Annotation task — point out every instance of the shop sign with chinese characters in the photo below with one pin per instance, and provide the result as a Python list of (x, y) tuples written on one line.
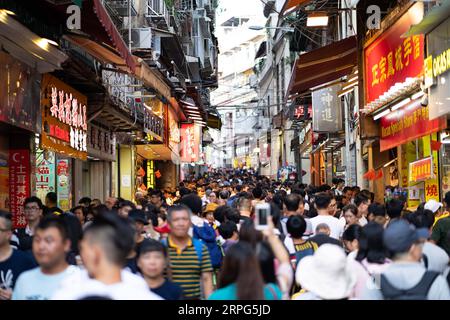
[(391, 59), (406, 124), (45, 173), (64, 119), (101, 143), (64, 184), (153, 124), (326, 113), (174, 130), (432, 185), (421, 170), (190, 143), (19, 184), (303, 112)]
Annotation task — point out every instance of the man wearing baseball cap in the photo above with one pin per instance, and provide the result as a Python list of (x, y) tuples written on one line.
[(444, 209), (406, 278), (434, 206)]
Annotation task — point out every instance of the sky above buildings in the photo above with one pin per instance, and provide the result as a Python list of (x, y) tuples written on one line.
[(229, 8)]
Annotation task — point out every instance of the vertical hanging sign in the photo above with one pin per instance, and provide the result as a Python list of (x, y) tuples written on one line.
[(45, 173), (190, 143), (63, 187), (19, 184)]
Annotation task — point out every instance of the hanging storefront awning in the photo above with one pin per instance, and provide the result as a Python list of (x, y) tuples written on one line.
[(96, 24), (434, 18), (262, 50), (156, 152), (177, 109), (101, 52), (323, 65), (151, 78), (114, 35), (143, 72), (27, 46), (290, 5)]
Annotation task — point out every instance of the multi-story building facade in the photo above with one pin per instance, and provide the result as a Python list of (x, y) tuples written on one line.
[(290, 81), (118, 92), (236, 98)]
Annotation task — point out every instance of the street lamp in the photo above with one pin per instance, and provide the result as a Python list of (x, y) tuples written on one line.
[(275, 28)]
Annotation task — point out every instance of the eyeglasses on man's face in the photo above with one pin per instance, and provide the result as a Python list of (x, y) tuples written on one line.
[(31, 208)]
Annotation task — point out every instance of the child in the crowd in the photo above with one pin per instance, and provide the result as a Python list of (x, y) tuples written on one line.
[(152, 261), (228, 230)]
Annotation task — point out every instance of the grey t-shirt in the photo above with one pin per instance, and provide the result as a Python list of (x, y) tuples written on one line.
[(437, 257), (403, 275)]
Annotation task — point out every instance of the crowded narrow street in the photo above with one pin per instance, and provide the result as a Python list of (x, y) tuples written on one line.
[(224, 150)]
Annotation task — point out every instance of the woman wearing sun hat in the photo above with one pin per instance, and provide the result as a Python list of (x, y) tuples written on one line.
[(326, 275)]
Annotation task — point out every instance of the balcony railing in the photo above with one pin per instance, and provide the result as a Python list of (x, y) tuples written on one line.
[(122, 7), (159, 13)]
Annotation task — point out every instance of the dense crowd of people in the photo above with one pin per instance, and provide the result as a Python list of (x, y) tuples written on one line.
[(202, 241)]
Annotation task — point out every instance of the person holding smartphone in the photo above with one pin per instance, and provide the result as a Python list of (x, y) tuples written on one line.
[(273, 256)]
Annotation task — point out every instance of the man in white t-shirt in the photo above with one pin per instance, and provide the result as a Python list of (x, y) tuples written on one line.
[(322, 204), (104, 248), (50, 246), (293, 205)]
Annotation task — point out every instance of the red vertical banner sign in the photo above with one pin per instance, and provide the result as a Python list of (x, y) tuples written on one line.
[(190, 143), (392, 58), (19, 184)]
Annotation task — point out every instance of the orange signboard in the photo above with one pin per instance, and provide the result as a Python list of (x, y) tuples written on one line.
[(421, 170), (64, 123)]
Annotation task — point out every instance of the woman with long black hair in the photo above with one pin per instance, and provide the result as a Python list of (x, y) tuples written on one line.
[(240, 277), (372, 253)]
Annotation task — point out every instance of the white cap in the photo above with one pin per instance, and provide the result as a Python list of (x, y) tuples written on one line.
[(433, 205)]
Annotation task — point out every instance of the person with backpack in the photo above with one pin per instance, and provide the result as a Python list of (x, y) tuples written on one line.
[(406, 278), (190, 262), (434, 257), (297, 247), (202, 230)]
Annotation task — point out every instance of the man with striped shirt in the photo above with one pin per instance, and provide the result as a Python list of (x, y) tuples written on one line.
[(190, 263)]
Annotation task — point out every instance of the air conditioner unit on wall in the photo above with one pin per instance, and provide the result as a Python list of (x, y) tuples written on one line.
[(141, 38)]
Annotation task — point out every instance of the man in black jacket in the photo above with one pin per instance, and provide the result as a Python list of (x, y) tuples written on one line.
[(23, 237), (51, 204)]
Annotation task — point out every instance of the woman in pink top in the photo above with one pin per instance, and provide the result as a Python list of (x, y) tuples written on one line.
[(372, 253)]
